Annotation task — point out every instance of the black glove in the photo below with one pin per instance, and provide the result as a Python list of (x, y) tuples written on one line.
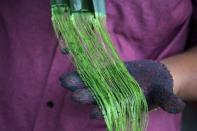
[(153, 77)]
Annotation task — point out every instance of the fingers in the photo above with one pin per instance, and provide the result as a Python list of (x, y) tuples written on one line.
[(168, 101), (83, 96), (64, 51), (96, 113), (174, 105), (62, 45), (71, 81)]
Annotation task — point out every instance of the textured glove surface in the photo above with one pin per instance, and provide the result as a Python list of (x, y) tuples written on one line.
[(153, 77)]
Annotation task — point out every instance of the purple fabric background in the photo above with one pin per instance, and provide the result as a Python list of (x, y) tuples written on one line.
[(31, 62)]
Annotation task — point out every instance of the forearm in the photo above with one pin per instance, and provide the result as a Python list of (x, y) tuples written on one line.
[(183, 68)]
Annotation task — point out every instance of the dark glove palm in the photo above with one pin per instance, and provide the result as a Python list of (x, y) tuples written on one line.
[(153, 78)]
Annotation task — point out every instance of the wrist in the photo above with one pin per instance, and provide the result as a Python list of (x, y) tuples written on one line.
[(176, 82)]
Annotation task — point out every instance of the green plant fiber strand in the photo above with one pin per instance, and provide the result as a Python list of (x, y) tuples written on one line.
[(116, 92)]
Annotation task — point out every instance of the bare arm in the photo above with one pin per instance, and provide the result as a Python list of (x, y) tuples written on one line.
[(183, 68)]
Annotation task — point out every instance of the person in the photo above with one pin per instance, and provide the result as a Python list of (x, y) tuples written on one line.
[(31, 62)]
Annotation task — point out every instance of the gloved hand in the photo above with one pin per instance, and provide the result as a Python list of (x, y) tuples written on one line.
[(153, 77)]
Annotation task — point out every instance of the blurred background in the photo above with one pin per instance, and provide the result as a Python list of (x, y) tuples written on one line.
[(189, 119)]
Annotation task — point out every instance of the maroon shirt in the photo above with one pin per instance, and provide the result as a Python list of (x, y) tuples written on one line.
[(31, 98)]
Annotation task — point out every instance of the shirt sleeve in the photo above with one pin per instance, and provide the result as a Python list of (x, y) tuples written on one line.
[(192, 38)]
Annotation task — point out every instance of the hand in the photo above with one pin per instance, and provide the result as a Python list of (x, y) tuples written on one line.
[(153, 77)]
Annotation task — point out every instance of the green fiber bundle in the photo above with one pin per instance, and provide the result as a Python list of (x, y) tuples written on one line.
[(81, 23)]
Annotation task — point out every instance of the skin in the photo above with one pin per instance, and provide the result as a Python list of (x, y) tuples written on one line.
[(183, 68)]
